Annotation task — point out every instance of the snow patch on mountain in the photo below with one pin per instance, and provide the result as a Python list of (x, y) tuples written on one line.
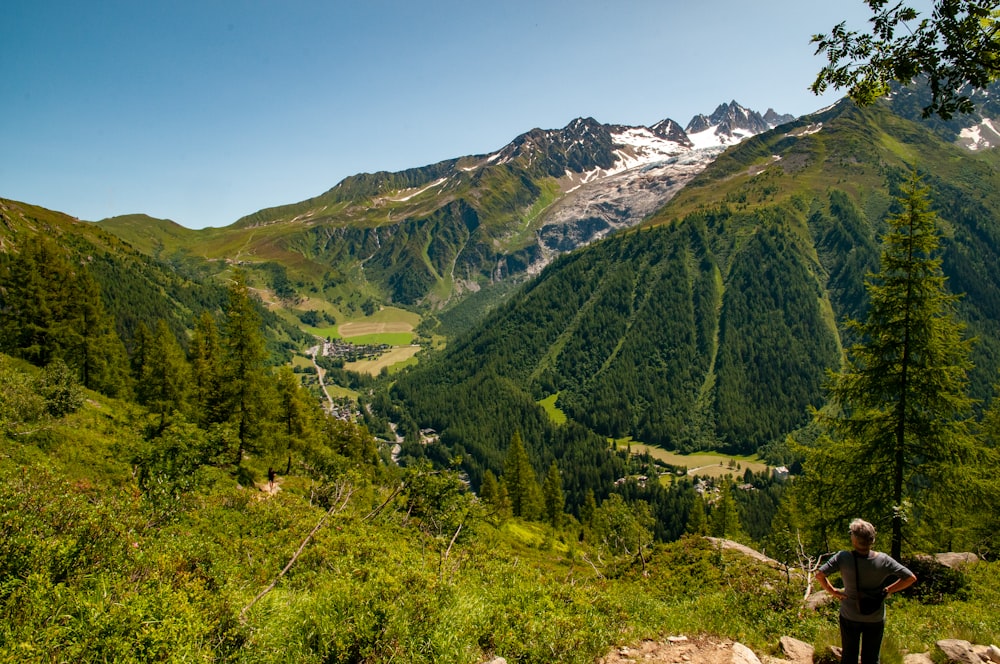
[(408, 196), (982, 136), (713, 138)]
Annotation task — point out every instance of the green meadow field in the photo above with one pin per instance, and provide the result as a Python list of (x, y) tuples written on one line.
[(706, 464)]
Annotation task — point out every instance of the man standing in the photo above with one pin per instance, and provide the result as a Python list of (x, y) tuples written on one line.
[(869, 577)]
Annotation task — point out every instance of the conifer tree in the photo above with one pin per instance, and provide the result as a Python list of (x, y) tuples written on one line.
[(244, 371), (522, 483), (92, 344), (724, 520), (588, 508), (293, 403), (205, 355), (553, 495), (165, 376), (503, 501), (899, 411), (493, 493), (31, 300), (51, 308), (697, 523), (489, 488)]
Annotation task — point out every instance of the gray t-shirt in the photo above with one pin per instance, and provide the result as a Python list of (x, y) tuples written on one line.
[(874, 570)]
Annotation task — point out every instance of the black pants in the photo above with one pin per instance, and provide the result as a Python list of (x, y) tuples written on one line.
[(863, 637)]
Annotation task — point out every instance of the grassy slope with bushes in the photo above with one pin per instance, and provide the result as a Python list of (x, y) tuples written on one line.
[(95, 567)]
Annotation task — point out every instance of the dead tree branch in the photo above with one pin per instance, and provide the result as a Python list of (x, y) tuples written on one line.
[(344, 492)]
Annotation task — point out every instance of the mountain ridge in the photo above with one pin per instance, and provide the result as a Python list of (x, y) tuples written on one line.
[(461, 224)]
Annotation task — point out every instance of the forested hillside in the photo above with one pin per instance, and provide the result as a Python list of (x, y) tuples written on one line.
[(713, 327), (132, 288)]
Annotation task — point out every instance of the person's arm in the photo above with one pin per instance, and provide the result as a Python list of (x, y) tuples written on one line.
[(900, 584), (828, 587)]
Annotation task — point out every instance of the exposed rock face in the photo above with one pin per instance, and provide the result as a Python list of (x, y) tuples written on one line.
[(617, 201)]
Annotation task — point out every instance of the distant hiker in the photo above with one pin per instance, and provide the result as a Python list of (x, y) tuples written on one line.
[(270, 479), (868, 577)]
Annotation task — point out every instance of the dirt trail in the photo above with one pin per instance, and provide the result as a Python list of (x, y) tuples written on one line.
[(679, 650)]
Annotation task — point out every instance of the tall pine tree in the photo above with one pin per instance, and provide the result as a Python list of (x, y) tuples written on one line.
[(552, 494), (164, 377), (899, 411), (521, 480), (205, 355), (244, 369)]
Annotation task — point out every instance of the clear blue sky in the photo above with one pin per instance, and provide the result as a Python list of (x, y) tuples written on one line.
[(204, 111)]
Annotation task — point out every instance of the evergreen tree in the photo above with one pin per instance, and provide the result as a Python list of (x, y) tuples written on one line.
[(92, 345), (142, 346), (244, 371), (899, 414), (489, 489), (552, 494), (724, 520), (787, 529), (504, 510), (522, 483), (205, 355), (294, 404), (164, 376), (493, 493), (32, 300), (697, 521), (983, 533), (588, 508), (52, 309)]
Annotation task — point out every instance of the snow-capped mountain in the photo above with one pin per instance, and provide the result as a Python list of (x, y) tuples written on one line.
[(428, 234), (731, 123), (636, 171)]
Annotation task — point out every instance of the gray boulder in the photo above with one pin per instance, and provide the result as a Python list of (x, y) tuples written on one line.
[(796, 651), (958, 651)]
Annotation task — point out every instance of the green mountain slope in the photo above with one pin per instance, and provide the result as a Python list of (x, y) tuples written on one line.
[(714, 325), (422, 235), (135, 287)]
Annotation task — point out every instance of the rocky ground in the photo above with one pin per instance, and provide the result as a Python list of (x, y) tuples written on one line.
[(683, 650)]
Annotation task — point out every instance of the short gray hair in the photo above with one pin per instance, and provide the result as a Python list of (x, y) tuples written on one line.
[(863, 530)]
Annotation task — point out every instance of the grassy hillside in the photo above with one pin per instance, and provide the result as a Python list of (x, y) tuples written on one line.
[(349, 560)]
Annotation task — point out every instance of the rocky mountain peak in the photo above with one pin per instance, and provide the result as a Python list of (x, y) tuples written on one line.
[(669, 130), (729, 123), (774, 118)]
